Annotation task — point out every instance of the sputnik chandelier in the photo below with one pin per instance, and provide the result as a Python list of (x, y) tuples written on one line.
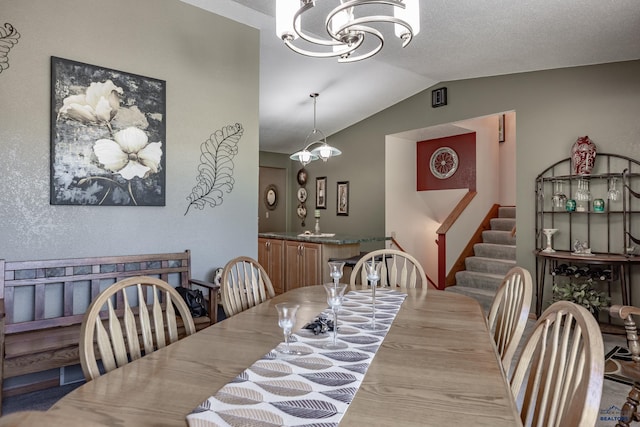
[(346, 30), (323, 150)]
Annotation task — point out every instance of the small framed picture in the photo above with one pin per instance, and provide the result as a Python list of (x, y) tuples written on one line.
[(343, 198), (439, 97), (321, 192), (501, 128)]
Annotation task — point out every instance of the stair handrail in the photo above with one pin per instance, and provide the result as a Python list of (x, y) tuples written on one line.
[(442, 236), (400, 248)]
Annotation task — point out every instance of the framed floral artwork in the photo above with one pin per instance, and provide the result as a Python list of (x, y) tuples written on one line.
[(108, 136)]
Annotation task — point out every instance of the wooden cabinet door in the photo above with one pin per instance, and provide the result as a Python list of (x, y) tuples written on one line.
[(303, 264), (271, 257), (311, 264), (293, 263)]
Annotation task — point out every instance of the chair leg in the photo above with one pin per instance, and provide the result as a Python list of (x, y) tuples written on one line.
[(629, 411)]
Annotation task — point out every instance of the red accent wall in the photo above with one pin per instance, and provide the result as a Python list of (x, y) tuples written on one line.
[(464, 177)]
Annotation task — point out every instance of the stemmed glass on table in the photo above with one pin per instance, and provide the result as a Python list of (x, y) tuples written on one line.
[(373, 276), (335, 271), (335, 297), (287, 320)]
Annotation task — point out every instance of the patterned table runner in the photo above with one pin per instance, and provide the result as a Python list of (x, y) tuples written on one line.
[(315, 388)]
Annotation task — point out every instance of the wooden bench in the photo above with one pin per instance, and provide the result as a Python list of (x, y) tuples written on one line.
[(42, 305)]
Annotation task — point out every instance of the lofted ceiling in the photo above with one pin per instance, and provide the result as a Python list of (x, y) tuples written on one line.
[(459, 39)]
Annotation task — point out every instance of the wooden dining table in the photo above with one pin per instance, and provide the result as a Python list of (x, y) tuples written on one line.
[(437, 366)]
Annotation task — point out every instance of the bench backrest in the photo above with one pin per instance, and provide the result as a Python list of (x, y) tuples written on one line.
[(50, 293)]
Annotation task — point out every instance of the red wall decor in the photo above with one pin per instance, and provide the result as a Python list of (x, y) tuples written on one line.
[(464, 176)]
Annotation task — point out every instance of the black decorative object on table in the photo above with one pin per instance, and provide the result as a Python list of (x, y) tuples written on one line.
[(320, 325)]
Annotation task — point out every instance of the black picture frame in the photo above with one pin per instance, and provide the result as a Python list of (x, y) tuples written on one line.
[(321, 192), (89, 164), (439, 97), (501, 136), (342, 201)]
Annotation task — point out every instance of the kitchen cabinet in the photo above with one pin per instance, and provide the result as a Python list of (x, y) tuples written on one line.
[(294, 260), (272, 258), (303, 261)]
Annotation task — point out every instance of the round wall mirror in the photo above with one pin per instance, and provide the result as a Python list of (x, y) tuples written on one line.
[(271, 197)]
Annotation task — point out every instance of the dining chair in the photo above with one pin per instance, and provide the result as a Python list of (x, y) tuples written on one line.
[(629, 411), (509, 313), (145, 307), (399, 269), (244, 284), (559, 376)]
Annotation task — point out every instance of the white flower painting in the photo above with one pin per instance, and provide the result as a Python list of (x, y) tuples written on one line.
[(107, 136)]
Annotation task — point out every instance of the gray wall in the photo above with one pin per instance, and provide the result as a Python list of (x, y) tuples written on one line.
[(210, 65), (553, 108)]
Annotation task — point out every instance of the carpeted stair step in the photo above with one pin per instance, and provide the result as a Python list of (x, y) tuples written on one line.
[(493, 250), (502, 224), (483, 296), (498, 237), (507, 212), (489, 265), (474, 279)]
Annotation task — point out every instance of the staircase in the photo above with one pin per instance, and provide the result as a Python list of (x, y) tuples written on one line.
[(492, 259)]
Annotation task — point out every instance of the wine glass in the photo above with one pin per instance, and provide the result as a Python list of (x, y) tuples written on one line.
[(373, 276), (613, 194), (335, 296), (559, 198), (335, 271), (286, 320)]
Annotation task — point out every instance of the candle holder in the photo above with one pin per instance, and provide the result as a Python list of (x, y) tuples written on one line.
[(373, 276), (317, 216), (549, 232)]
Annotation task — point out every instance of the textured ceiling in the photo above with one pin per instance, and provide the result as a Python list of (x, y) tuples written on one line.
[(459, 39)]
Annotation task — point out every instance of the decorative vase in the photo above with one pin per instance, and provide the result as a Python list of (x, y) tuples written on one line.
[(583, 155)]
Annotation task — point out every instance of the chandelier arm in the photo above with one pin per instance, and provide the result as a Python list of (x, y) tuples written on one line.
[(356, 24), (368, 54), (306, 37)]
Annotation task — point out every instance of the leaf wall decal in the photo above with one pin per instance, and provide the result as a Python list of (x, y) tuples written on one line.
[(216, 168), (8, 38)]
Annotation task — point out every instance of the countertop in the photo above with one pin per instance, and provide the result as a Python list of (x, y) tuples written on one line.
[(337, 239)]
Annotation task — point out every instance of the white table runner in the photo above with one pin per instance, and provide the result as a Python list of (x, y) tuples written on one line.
[(313, 389)]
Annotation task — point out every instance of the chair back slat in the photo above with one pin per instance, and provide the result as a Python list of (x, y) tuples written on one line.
[(131, 329), (117, 339), (158, 321), (145, 322), (104, 344)]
